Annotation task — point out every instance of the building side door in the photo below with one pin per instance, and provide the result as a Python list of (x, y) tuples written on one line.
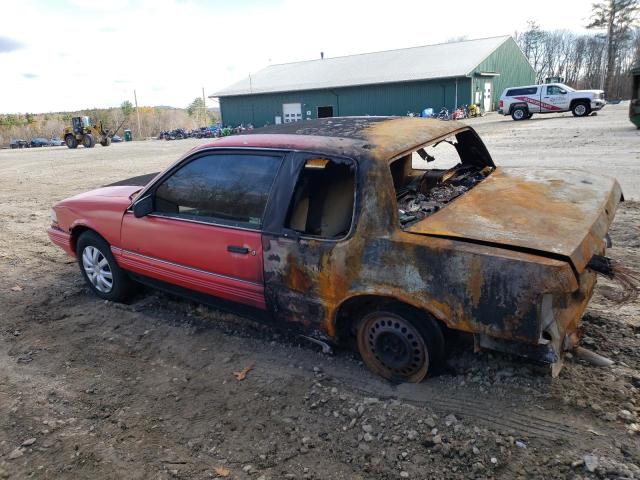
[(487, 96)]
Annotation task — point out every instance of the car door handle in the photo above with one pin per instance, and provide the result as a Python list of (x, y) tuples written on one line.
[(237, 249)]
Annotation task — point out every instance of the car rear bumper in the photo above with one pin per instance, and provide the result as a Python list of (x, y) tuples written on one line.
[(559, 317), (61, 239)]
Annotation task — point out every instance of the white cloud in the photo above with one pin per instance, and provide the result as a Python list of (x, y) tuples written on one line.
[(94, 53)]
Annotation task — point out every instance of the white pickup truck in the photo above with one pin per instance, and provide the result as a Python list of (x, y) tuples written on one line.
[(522, 102)]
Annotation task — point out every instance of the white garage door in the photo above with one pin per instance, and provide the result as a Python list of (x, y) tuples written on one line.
[(291, 112)]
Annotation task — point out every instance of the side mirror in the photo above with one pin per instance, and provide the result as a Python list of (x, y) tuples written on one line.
[(143, 206)]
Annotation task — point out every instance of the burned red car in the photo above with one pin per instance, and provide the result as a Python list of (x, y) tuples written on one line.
[(376, 232)]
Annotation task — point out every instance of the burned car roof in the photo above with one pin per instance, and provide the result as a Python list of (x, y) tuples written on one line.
[(379, 137)]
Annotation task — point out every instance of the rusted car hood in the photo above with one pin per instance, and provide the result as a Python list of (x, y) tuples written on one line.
[(559, 213)]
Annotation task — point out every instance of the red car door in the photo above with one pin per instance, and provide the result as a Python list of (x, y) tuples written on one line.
[(204, 233)]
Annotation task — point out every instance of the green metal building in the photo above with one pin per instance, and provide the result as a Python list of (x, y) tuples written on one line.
[(391, 82)]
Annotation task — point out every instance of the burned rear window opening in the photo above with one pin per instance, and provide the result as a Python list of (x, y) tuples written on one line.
[(432, 176)]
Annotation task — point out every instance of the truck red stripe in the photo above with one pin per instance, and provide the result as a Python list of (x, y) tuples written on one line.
[(537, 102)]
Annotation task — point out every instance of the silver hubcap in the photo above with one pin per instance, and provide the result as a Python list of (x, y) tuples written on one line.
[(581, 110), (519, 114), (97, 269)]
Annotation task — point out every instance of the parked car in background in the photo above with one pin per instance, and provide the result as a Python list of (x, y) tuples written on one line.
[(18, 143), (522, 102), (116, 138), (39, 142), (56, 142), (369, 231)]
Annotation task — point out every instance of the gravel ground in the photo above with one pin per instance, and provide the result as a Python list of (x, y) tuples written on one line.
[(90, 389)]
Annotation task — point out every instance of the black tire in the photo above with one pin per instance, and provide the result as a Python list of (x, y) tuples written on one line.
[(88, 141), (581, 109), (106, 142), (520, 113), (71, 141), (400, 344), (121, 287)]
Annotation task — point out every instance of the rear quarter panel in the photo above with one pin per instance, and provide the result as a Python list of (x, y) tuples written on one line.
[(469, 287)]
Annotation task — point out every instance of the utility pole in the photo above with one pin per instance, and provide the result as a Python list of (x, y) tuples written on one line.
[(204, 108), (135, 97)]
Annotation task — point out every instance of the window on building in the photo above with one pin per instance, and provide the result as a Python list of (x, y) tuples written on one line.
[(325, 112), (219, 188)]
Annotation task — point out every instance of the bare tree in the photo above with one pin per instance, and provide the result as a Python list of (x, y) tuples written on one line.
[(582, 59), (531, 43), (617, 17)]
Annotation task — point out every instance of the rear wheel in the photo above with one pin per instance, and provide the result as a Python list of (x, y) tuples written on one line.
[(100, 270), (520, 113), (581, 109), (71, 141), (88, 141), (400, 345)]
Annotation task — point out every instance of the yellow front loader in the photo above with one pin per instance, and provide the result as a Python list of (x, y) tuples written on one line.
[(84, 131)]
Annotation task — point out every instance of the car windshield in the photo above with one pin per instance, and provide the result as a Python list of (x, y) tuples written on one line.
[(568, 89)]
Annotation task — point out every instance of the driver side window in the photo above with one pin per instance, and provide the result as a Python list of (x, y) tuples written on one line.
[(555, 90), (219, 188)]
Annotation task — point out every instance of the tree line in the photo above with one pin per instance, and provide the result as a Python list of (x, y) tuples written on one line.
[(153, 120), (599, 60)]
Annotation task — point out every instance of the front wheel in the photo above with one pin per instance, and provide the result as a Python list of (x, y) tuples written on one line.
[(71, 141), (106, 142), (100, 270), (581, 109), (399, 345)]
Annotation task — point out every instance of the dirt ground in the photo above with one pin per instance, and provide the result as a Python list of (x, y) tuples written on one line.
[(91, 389)]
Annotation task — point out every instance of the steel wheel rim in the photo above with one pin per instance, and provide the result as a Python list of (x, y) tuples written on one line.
[(581, 110), (519, 114), (97, 269), (397, 347)]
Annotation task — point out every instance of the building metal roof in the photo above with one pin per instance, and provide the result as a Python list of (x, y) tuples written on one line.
[(444, 60)]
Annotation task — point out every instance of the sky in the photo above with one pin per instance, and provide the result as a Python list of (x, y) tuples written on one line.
[(77, 54)]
